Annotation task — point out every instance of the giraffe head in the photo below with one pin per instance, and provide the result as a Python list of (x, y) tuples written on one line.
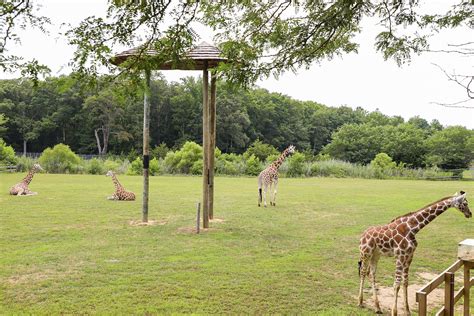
[(37, 167), (110, 173), (460, 202), (291, 149)]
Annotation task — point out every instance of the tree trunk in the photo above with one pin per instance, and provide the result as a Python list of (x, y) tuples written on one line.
[(24, 147), (96, 133)]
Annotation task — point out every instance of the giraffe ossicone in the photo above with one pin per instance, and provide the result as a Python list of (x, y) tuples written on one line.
[(21, 188), (120, 193), (397, 238), (269, 177)]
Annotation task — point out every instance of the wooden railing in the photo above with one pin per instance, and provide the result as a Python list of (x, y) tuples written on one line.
[(450, 296)]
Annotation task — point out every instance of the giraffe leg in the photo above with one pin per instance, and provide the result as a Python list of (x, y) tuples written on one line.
[(265, 188), (373, 269), (406, 267), (20, 191), (362, 273), (396, 284), (275, 192)]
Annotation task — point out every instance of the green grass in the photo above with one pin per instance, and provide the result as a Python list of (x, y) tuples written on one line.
[(69, 250)]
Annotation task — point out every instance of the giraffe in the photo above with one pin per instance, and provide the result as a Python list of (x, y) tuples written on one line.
[(269, 176), (120, 193), (397, 238), (21, 188)]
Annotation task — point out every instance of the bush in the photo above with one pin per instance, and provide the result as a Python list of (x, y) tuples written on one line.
[(260, 150), (7, 154), (159, 152), (154, 167), (197, 167), (60, 159), (253, 166), (296, 165), (24, 164), (113, 165), (95, 166), (184, 160), (136, 167), (383, 165)]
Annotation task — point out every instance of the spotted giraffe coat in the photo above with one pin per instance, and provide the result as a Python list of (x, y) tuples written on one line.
[(269, 177), (397, 238), (21, 188), (120, 193)]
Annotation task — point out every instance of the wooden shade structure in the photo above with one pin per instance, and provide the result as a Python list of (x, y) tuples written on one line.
[(202, 57)]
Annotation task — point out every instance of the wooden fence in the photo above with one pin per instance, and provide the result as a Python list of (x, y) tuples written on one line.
[(450, 296)]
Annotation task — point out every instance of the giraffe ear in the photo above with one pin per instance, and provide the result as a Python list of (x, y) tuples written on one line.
[(459, 198)]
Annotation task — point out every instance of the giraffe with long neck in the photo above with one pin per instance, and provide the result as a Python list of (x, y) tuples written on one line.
[(269, 177), (120, 193), (397, 238), (21, 188)]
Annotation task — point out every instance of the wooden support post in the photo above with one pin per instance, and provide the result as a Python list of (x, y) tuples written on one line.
[(205, 146), (422, 303), (198, 218), (212, 143), (146, 144), (449, 294), (467, 287)]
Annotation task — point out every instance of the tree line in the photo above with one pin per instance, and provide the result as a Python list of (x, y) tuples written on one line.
[(108, 120)]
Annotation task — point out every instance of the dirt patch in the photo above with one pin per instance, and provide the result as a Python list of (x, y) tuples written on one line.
[(192, 230), (149, 223), (385, 295), (216, 220)]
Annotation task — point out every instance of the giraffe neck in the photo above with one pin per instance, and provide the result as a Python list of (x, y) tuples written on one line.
[(277, 163), (116, 182), (427, 214), (29, 176)]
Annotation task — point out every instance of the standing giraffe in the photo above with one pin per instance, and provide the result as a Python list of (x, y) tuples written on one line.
[(269, 176), (21, 188), (397, 238), (120, 193)]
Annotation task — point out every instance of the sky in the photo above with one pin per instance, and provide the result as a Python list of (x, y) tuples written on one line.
[(356, 80)]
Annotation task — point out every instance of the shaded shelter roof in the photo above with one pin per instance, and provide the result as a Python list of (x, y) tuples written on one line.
[(195, 58)]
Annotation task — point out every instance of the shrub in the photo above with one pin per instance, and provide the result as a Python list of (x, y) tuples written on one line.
[(296, 165), (197, 167), (60, 159), (7, 154), (260, 150), (160, 151), (24, 164), (154, 167), (136, 167), (95, 166), (383, 165), (253, 166), (182, 161), (113, 165)]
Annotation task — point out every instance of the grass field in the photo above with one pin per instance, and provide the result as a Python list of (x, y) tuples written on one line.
[(68, 250)]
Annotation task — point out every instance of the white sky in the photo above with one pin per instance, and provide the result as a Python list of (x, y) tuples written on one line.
[(362, 79)]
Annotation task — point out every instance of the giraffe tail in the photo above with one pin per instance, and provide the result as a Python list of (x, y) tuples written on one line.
[(360, 266), (259, 190)]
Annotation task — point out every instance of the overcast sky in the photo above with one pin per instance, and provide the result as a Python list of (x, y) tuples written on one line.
[(362, 79)]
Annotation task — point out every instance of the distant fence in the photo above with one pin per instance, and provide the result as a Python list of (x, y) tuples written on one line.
[(37, 155)]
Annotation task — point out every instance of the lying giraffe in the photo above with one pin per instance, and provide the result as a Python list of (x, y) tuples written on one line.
[(269, 176), (120, 193), (21, 188), (397, 238)]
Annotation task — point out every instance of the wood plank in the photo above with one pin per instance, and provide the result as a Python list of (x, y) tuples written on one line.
[(440, 278)]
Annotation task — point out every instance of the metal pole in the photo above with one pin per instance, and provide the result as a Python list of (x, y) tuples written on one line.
[(205, 145), (146, 144)]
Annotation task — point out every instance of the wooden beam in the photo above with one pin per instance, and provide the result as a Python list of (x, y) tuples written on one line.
[(212, 143), (440, 278), (146, 144), (449, 294), (467, 288), (205, 147)]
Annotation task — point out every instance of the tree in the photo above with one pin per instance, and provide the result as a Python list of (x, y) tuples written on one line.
[(16, 14), (451, 148), (3, 120), (356, 143), (103, 110), (406, 143)]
